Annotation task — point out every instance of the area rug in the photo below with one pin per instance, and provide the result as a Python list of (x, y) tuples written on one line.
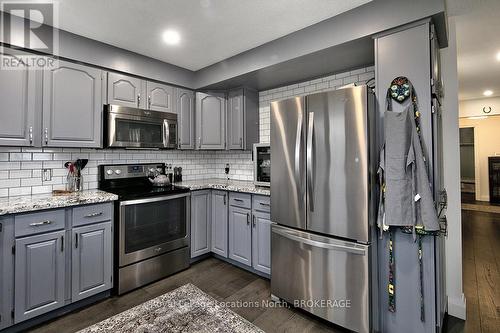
[(185, 309)]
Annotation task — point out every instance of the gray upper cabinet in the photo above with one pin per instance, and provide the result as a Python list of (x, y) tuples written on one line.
[(240, 235), (72, 106), (185, 118), (126, 91), (219, 223), (242, 119), (261, 242), (210, 120), (18, 94), (39, 274), (91, 262), (160, 97), (200, 222)]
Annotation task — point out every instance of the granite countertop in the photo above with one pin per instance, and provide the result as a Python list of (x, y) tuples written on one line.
[(225, 185), (28, 203)]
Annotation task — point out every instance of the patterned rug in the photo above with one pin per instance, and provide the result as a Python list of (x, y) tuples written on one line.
[(185, 309)]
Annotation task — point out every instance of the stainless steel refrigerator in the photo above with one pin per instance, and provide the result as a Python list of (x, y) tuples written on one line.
[(321, 182)]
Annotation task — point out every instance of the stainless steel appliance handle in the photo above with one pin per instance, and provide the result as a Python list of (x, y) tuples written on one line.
[(309, 158), (153, 199), (38, 224), (327, 246), (298, 140), (248, 218), (166, 133)]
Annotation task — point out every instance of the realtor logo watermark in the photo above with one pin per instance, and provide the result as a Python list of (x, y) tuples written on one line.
[(29, 25)]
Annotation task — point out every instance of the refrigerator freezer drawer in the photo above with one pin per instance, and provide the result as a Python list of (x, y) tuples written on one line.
[(324, 276)]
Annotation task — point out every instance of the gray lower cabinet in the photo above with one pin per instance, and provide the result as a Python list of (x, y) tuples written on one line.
[(40, 274), (91, 260), (126, 91), (6, 270), (72, 106), (160, 97), (219, 242), (210, 120), (18, 90), (240, 235), (201, 228), (261, 242), (185, 118)]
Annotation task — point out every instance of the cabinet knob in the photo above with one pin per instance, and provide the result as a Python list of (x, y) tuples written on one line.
[(138, 100), (253, 221), (31, 135), (248, 218), (149, 102), (46, 133)]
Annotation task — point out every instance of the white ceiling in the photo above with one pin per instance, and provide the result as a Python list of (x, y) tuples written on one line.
[(211, 30), (478, 42)]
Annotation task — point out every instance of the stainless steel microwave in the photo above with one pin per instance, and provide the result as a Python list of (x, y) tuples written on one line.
[(262, 164), (133, 128)]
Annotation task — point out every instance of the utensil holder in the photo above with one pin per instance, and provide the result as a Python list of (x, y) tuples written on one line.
[(74, 183)]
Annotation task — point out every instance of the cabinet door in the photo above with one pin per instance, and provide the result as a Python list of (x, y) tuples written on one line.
[(6, 270), (126, 91), (200, 223), (261, 242), (91, 264), (235, 119), (219, 223), (240, 235), (210, 121), (40, 275), (17, 96), (160, 97), (185, 118), (72, 106)]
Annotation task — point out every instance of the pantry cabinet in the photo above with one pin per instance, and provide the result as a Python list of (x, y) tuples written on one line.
[(72, 106)]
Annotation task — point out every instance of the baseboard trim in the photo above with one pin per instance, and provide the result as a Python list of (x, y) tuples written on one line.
[(457, 306)]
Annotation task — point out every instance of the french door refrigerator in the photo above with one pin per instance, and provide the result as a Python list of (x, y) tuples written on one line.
[(321, 183)]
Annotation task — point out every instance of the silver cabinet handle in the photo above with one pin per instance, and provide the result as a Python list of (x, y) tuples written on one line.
[(253, 221), (239, 200), (248, 218), (199, 142), (310, 185), (138, 100), (31, 135), (224, 199), (149, 102), (76, 240), (264, 204), (46, 133), (298, 141), (241, 143), (38, 224), (94, 214), (62, 243)]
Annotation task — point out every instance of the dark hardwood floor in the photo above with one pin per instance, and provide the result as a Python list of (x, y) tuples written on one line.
[(481, 263), (481, 259)]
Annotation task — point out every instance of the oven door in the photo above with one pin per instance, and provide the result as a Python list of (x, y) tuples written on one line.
[(152, 226), (130, 131)]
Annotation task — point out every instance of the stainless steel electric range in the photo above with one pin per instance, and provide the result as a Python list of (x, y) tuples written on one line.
[(151, 225)]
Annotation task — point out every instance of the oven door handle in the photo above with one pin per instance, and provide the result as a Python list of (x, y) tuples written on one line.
[(153, 199)]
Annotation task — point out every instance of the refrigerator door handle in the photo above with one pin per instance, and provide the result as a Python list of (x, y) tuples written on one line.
[(328, 246), (309, 158), (300, 122)]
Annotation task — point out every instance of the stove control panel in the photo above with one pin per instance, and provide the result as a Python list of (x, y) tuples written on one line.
[(121, 171)]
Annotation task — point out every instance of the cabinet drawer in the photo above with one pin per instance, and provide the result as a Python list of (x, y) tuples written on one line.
[(83, 215), (240, 200), (262, 203), (35, 223)]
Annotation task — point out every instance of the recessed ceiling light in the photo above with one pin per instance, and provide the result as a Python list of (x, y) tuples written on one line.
[(171, 37), (488, 93), (498, 56)]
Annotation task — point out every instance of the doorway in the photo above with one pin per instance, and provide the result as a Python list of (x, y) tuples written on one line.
[(467, 165)]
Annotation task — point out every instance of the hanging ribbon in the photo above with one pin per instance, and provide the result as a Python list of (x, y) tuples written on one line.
[(392, 278)]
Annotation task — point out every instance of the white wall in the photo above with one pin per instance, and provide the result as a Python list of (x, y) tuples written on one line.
[(474, 107), (451, 161)]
